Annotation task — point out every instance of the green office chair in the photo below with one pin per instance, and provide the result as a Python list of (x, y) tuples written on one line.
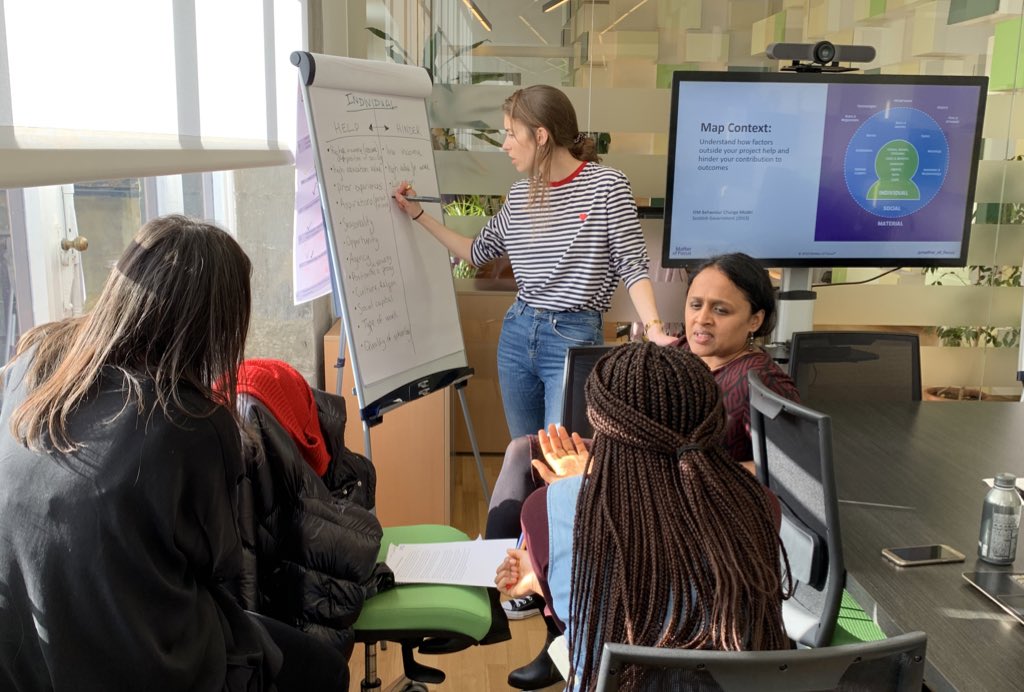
[(431, 618)]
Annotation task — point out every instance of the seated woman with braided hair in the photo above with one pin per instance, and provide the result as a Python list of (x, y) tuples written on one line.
[(729, 303), (664, 540)]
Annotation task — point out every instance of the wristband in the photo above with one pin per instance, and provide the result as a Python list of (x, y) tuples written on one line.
[(647, 327), (419, 215)]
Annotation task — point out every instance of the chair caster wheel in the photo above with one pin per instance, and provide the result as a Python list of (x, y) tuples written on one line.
[(415, 687)]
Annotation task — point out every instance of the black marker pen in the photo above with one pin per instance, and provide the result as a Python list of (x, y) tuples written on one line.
[(422, 198)]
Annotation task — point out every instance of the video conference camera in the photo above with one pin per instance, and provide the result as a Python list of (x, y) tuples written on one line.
[(823, 56)]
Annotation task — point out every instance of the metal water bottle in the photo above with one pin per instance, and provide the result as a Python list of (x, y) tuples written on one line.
[(1000, 521)]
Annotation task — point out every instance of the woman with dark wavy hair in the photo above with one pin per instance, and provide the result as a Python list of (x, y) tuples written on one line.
[(119, 466), (665, 540)]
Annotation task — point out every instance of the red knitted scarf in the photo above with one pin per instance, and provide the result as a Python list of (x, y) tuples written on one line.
[(288, 396)]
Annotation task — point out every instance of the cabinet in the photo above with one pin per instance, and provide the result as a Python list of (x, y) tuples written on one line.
[(481, 313)]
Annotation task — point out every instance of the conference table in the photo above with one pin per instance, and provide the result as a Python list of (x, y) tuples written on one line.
[(927, 460)]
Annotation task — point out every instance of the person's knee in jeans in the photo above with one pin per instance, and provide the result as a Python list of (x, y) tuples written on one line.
[(516, 481)]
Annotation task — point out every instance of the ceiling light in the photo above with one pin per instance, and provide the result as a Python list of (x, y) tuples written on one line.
[(551, 5), (634, 9), (471, 6), (535, 32)]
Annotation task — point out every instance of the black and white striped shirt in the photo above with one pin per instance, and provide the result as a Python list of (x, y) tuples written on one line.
[(570, 252)]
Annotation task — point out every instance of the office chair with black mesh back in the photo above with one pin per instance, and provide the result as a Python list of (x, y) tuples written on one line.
[(793, 458), (881, 366), (892, 665), (579, 361)]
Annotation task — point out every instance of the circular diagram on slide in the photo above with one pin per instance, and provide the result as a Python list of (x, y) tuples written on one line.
[(896, 162)]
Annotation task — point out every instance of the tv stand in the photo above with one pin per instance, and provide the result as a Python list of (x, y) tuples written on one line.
[(1020, 356), (795, 306)]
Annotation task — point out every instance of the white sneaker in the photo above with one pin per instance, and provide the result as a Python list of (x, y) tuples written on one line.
[(522, 608)]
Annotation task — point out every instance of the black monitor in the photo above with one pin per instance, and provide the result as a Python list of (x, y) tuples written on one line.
[(812, 170)]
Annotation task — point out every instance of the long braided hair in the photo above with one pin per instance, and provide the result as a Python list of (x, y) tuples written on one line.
[(674, 543)]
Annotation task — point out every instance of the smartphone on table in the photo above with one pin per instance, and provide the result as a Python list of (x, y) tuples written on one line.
[(912, 555)]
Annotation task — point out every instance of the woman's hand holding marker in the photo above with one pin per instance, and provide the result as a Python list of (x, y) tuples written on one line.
[(406, 198)]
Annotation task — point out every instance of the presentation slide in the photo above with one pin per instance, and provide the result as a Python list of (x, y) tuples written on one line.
[(734, 173), (818, 171)]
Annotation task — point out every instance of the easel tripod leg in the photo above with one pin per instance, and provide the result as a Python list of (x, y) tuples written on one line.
[(472, 441)]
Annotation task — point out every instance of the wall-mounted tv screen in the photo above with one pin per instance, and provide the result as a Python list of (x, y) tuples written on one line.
[(805, 170)]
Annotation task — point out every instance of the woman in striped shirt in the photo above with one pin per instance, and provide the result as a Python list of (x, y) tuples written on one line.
[(571, 232)]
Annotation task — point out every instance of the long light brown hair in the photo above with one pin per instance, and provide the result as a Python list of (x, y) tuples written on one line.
[(545, 106), (174, 311), (674, 543)]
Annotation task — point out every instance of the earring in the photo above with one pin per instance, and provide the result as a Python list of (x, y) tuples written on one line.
[(750, 341)]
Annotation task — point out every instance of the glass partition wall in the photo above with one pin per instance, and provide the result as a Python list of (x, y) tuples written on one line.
[(615, 59)]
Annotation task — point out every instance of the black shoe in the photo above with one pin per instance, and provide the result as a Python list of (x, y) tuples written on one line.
[(522, 608), (538, 673)]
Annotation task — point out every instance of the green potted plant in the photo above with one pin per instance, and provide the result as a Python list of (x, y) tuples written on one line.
[(465, 205)]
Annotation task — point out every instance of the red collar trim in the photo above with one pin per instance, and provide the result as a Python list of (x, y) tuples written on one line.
[(569, 178)]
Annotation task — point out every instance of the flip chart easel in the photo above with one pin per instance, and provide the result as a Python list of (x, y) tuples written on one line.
[(391, 281)]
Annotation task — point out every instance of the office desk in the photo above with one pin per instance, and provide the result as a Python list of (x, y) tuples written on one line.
[(932, 457)]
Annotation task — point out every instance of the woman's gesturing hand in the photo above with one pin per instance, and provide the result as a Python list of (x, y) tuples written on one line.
[(565, 454)]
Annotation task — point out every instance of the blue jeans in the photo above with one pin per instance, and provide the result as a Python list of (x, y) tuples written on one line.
[(531, 362)]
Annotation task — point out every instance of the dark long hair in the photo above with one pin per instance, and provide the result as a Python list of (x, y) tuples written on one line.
[(545, 106), (674, 543), (753, 281), (174, 310)]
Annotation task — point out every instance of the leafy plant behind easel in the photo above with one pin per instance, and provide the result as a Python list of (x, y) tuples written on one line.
[(470, 205), (465, 205)]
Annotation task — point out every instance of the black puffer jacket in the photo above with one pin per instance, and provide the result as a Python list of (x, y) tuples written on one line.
[(310, 544), (349, 475)]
